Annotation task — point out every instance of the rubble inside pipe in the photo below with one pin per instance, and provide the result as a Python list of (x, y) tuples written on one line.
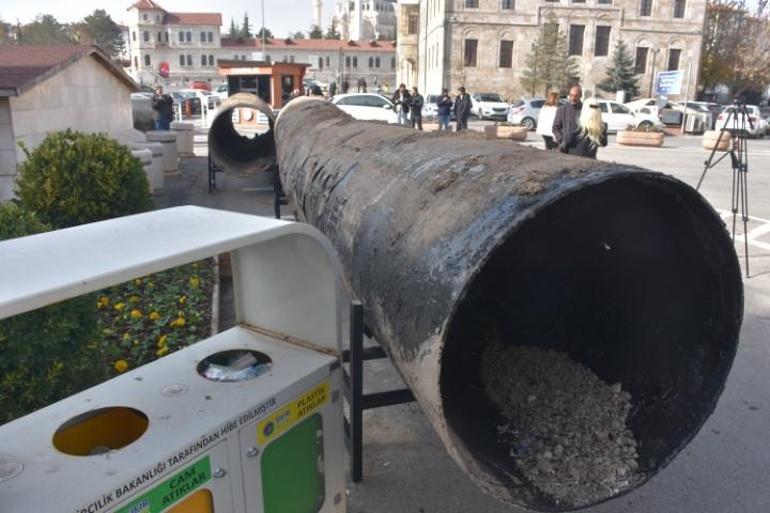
[(565, 427)]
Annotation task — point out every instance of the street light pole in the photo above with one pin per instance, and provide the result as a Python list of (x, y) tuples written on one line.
[(652, 78), (534, 70), (263, 30)]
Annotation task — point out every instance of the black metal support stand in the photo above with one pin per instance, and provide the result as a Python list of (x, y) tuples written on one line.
[(354, 390), (280, 196), (213, 170)]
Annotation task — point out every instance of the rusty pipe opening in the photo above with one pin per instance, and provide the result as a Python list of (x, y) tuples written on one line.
[(614, 277), (237, 153)]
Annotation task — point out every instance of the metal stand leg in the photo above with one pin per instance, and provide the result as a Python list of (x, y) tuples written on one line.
[(354, 390)]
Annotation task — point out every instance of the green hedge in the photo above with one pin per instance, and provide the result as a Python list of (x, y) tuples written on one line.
[(50, 353), (74, 178)]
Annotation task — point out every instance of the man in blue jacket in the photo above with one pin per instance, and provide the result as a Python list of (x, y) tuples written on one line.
[(444, 110)]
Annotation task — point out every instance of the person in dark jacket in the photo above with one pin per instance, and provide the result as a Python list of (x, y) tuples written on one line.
[(565, 123), (415, 107), (590, 134), (162, 109), (444, 109), (345, 86), (402, 99), (462, 109)]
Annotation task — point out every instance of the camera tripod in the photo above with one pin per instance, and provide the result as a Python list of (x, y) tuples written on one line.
[(735, 124)]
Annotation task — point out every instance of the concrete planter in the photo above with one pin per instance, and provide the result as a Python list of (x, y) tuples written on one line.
[(710, 138), (515, 133), (170, 157), (629, 138), (156, 174), (184, 137)]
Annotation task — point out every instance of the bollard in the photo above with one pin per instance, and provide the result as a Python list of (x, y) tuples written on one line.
[(156, 176), (457, 244), (145, 157), (168, 140), (185, 138)]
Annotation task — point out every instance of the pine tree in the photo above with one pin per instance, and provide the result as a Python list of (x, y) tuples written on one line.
[(246, 27), (549, 65), (102, 31), (234, 32), (332, 33), (315, 32), (620, 72)]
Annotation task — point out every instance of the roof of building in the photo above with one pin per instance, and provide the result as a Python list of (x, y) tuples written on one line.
[(311, 44), (193, 18), (146, 4), (24, 66)]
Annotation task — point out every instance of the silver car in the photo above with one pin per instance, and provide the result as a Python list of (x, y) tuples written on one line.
[(525, 112)]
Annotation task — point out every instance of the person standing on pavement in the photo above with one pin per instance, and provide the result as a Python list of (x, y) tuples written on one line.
[(565, 122), (416, 108), (591, 132), (345, 86), (462, 109), (444, 109), (402, 99), (162, 109), (332, 89), (545, 120)]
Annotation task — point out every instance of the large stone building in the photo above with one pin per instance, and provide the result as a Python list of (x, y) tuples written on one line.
[(483, 44), (172, 47), (366, 19), (329, 59)]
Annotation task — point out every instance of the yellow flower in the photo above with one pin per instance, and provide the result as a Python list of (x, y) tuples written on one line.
[(179, 322), (136, 314), (154, 316), (182, 299), (163, 350), (126, 336), (119, 306), (103, 302), (162, 341), (136, 342), (137, 282), (121, 366), (195, 282), (134, 299)]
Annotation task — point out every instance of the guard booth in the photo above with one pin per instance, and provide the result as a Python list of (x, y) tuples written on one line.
[(248, 420), (272, 82)]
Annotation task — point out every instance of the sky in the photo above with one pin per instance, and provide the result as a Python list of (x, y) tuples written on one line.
[(281, 16)]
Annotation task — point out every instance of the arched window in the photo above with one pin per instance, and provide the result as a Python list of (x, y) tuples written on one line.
[(320, 63), (211, 60), (181, 60), (211, 37), (181, 37), (189, 37), (377, 62), (355, 62), (204, 60), (147, 60), (327, 61), (189, 60), (347, 62), (371, 62), (146, 36), (203, 37)]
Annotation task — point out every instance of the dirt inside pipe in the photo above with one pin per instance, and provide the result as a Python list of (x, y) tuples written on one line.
[(565, 428)]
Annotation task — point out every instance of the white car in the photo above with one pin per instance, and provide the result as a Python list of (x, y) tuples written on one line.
[(488, 105), (525, 112), (222, 92), (756, 128), (618, 117), (207, 98), (367, 107)]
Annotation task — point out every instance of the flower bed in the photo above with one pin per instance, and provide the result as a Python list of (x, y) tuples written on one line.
[(149, 317)]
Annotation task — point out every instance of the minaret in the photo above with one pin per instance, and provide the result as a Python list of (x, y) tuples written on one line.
[(318, 10)]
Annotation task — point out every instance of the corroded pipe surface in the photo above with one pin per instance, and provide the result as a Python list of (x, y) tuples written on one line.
[(236, 153), (448, 239)]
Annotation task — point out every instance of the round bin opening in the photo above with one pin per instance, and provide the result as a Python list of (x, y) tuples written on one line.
[(238, 142), (234, 365), (593, 344), (100, 431)]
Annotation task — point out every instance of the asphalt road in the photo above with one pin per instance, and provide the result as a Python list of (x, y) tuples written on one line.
[(726, 469)]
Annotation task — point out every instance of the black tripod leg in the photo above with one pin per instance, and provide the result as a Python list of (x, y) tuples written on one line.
[(735, 196)]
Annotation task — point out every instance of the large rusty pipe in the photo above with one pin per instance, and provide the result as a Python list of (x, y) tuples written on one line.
[(446, 238), (241, 154)]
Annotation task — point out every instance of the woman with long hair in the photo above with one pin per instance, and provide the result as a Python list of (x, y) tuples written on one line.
[(545, 120), (591, 131)]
